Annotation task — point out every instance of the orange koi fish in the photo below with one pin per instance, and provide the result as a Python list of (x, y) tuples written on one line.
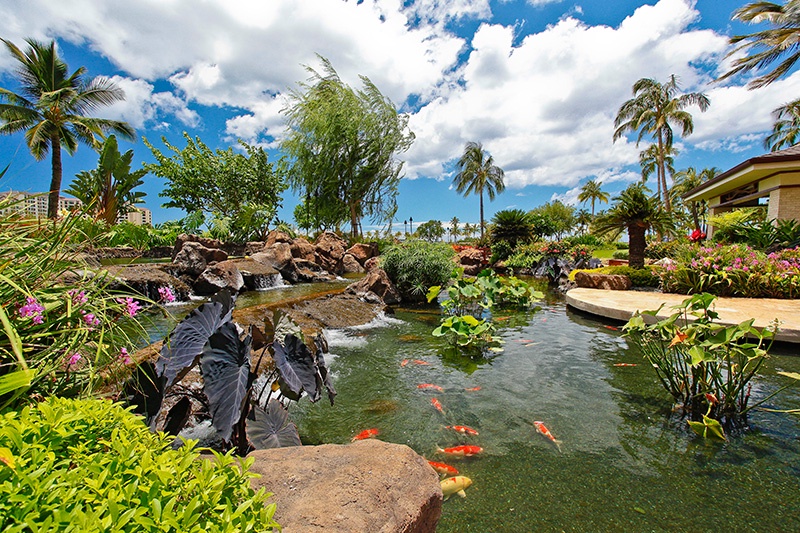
[(473, 389), (430, 386), (404, 362), (461, 451), (464, 430), (366, 434), (541, 428), (420, 362), (612, 328), (624, 364), (525, 341), (444, 469), (437, 404)]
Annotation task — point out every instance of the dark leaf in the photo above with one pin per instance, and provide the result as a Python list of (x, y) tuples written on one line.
[(271, 428), (225, 365), (297, 368), (185, 344), (177, 416), (143, 391), (260, 339)]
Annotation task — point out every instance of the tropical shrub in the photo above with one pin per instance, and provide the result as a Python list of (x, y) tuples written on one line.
[(660, 249), (91, 466), (416, 266), (707, 368), (512, 226), (525, 257), (766, 234), (586, 239), (723, 223), (501, 250), (620, 254)]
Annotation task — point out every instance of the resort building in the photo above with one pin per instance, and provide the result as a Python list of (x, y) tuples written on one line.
[(772, 179), (139, 216), (34, 205)]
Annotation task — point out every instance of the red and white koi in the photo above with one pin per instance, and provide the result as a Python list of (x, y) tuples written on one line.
[(473, 389), (466, 450), (430, 386), (464, 430), (541, 428), (437, 404), (366, 434), (625, 364), (443, 468)]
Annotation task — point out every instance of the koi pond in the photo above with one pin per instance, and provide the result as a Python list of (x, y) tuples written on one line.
[(626, 461)]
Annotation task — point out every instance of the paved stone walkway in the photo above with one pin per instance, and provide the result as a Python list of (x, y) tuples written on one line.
[(621, 305)]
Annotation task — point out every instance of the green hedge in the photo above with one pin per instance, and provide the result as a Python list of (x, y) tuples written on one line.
[(416, 266), (90, 466)]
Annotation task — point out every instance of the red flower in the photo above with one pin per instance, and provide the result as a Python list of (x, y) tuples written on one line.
[(697, 235)]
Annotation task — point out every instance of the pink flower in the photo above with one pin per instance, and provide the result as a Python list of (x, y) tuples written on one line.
[(166, 294), (32, 309), (90, 319), (78, 297), (74, 359), (131, 306), (124, 358)]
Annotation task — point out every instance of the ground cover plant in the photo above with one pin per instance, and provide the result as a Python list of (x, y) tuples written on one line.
[(416, 266), (91, 465)]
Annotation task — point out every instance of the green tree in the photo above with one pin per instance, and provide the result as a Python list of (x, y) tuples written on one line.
[(765, 47), (108, 190), (430, 231), (556, 219), (685, 181), (648, 160), (454, 229), (244, 188), (591, 192), (633, 210), (786, 130), (583, 219), (52, 107), (652, 111), (512, 226), (468, 230), (478, 173), (343, 144)]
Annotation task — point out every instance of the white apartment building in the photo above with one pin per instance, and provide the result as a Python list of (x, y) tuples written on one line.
[(34, 205)]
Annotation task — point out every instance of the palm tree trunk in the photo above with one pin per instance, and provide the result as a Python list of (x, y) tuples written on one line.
[(55, 182), (593, 199), (662, 175), (481, 215), (636, 246)]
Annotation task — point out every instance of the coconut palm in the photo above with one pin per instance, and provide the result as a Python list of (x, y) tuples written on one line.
[(478, 173), (637, 212), (454, 230), (591, 192), (513, 226), (685, 181), (765, 47), (652, 111), (786, 130), (648, 160), (584, 219), (52, 108)]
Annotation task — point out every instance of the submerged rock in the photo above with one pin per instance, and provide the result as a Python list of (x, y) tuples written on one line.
[(365, 486)]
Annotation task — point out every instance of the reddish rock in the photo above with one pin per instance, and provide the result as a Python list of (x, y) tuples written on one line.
[(471, 257), (302, 249), (277, 236), (329, 249), (257, 275), (612, 282), (365, 486), (253, 247), (372, 263), (279, 257), (183, 238), (362, 251), (222, 275), (376, 282), (351, 265), (194, 257)]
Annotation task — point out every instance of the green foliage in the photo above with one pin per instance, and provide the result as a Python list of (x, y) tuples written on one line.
[(512, 226), (525, 257), (430, 231), (586, 239), (724, 223), (556, 218), (620, 254), (108, 190), (765, 234), (91, 466), (242, 188), (416, 266), (501, 250), (661, 249), (69, 335), (707, 368), (467, 331), (343, 145)]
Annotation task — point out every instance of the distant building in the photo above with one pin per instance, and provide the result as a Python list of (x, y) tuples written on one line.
[(34, 205), (139, 216)]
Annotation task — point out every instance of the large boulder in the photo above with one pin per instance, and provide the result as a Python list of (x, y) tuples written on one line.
[(372, 263), (351, 265), (222, 275), (612, 282), (183, 238), (472, 261), (365, 486), (147, 279), (376, 282), (277, 236), (258, 275), (310, 272), (279, 257), (193, 258), (302, 249), (329, 249), (362, 251)]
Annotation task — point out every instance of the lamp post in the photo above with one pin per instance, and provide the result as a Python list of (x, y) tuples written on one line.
[(411, 224), (405, 227)]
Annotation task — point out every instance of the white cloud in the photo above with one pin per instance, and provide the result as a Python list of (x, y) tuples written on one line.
[(142, 106)]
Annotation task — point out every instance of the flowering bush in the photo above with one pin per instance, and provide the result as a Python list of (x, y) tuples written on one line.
[(734, 270)]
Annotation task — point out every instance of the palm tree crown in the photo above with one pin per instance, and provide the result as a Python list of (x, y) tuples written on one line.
[(591, 192), (786, 130), (52, 108), (478, 173), (654, 108)]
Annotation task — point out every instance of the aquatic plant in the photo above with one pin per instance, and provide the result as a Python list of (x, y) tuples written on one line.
[(416, 266), (706, 367)]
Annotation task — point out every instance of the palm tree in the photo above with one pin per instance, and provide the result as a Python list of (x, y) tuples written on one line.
[(583, 218), (786, 130), (476, 173), (467, 230), (591, 192), (52, 108), (454, 231), (513, 226), (633, 210), (652, 110), (685, 181), (109, 187), (648, 160), (767, 46)]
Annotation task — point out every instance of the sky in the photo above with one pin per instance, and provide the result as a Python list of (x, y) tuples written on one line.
[(537, 82)]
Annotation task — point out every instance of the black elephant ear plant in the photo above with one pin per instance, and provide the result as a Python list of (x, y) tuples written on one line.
[(243, 419)]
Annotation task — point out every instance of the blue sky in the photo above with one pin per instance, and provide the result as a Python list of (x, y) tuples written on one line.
[(537, 82)]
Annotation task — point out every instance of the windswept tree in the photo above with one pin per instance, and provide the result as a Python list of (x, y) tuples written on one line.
[(591, 192), (343, 145), (108, 190), (636, 212), (653, 110), (648, 161), (454, 229), (685, 181), (478, 173), (786, 130), (53, 108)]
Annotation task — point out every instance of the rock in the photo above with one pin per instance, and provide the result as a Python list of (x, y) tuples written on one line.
[(253, 247), (219, 276), (471, 257), (329, 249), (378, 282), (351, 265), (258, 275), (302, 249), (310, 272), (365, 486), (183, 238), (277, 236), (194, 257), (279, 257), (146, 280), (372, 263), (334, 311), (614, 282), (362, 251)]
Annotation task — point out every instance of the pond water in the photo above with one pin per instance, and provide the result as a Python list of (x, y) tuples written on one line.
[(627, 463)]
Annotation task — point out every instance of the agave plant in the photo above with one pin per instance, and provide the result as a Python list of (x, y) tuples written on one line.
[(208, 337)]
